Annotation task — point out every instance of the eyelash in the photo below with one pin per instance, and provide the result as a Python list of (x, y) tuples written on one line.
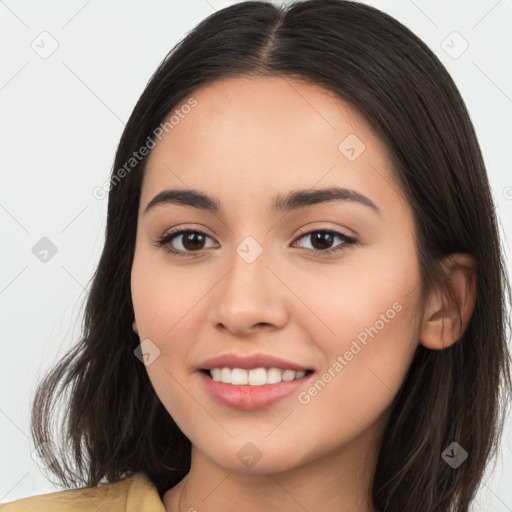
[(164, 241)]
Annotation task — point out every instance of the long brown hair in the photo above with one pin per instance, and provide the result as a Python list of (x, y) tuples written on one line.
[(115, 425)]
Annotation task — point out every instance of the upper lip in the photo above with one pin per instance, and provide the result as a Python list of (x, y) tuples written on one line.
[(250, 362)]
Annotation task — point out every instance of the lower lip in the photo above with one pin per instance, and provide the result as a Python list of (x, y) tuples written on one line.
[(249, 398)]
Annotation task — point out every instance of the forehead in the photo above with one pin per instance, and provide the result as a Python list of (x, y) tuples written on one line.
[(250, 136)]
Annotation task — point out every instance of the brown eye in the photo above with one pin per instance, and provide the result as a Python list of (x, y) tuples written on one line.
[(322, 240), (191, 241)]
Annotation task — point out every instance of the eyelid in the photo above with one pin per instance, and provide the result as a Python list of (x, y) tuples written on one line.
[(173, 233), (164, 241), (348, 241), (312, 229)]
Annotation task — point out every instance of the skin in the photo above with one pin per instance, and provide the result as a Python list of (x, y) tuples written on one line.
[(246, 141)]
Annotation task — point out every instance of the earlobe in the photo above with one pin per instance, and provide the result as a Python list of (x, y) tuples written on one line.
[(447, 314), (134, 327)]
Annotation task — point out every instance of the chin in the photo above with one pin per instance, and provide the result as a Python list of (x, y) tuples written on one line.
[(246, 457)]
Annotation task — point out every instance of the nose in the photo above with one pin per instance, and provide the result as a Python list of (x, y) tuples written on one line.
[(250, 297)]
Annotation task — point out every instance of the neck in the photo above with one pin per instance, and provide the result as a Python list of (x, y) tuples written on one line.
[(340, 480)]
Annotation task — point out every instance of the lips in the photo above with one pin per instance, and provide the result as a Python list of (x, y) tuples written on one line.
[(250, 397)]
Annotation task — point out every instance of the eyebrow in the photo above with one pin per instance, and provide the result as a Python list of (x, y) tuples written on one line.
[(291, 201)]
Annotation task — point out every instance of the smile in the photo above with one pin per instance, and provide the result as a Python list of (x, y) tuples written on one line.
[(254, 377)]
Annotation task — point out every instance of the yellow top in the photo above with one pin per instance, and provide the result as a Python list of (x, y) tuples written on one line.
[(134, 494)]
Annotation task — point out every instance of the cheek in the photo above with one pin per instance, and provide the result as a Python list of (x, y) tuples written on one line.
[(369, 309), (162, 303), (365, 362), (366, 289), (166, 301), (163, 295)]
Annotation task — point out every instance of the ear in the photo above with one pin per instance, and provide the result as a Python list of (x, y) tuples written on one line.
[(447, 314), (134, 327)]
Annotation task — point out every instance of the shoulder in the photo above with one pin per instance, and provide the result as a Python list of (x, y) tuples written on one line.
[(134, 494)]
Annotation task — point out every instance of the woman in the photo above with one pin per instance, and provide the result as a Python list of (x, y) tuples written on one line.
[(300, 304)]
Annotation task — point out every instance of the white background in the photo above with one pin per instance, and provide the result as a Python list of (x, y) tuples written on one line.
[(61, 120)]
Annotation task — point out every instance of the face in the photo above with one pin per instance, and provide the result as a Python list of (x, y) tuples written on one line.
[(330, 285)]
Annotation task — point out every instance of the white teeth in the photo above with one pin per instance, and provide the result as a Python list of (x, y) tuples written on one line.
[(274, 375), (288, 375), (239, 377), (257, 377), (254, 377)]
